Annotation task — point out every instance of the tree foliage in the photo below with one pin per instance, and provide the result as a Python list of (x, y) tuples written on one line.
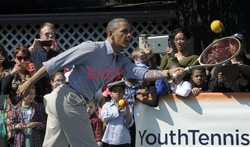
[(197, 15)]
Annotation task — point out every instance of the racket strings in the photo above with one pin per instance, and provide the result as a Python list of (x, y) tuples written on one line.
[(220, 51)]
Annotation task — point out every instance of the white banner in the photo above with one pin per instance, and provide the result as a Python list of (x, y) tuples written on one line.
[(210, 119)]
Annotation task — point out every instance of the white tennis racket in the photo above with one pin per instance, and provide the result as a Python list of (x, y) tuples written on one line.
[(219, 52)]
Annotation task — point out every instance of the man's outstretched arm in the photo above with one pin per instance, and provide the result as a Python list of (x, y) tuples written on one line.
[(24, 88), (152, 75)]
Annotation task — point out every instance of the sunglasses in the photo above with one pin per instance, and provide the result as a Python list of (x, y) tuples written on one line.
[(20, 58), (47, 34), (59, 80)]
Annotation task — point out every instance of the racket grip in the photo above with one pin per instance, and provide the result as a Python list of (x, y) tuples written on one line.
[(188, 69), (174, 76)]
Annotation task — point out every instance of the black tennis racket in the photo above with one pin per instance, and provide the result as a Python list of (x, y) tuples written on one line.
[(219, 52)]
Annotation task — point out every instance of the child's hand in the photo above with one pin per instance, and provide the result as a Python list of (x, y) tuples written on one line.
[(140, 97), (221, 78), (170, 52), (143, 94), (121, 108), (242, 81), (196, 91), (20, 126), (9, 135), (5, 74), (122, 103), (117, 105), (32, 125), (148, 52)]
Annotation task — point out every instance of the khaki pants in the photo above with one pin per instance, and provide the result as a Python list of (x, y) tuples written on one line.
[(67, 121)]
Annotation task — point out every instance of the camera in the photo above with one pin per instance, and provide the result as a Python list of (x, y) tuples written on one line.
[(46, 43)]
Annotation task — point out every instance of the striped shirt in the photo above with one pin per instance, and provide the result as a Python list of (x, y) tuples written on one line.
[(94, 64), (116, 132)]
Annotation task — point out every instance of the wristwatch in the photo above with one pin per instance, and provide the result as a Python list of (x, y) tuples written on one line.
[(168, 74)]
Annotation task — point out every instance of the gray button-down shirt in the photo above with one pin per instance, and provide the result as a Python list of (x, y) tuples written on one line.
[(94, 64)]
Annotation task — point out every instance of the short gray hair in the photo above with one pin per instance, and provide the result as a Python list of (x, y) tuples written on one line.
[(112, 25), (47, 24)]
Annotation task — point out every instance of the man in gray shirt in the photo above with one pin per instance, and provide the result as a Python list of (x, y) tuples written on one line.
[(94, 64)]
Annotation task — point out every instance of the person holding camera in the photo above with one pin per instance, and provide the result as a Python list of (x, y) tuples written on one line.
[(183, 56), (43, 49)]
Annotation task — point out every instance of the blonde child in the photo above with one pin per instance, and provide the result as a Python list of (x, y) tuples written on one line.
[(140, 58)]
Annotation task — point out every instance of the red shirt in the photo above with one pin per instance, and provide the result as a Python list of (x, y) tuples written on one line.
[(97, 127)]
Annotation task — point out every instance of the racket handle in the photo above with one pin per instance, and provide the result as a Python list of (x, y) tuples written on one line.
[(175, 76), (188, 69)]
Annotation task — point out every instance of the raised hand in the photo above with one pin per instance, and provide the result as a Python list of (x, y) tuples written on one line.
[(170, 52)]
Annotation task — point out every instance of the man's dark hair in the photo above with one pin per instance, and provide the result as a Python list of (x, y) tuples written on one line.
[(112, 25)]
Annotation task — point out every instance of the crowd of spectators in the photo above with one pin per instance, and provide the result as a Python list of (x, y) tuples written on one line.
[(24, 118)]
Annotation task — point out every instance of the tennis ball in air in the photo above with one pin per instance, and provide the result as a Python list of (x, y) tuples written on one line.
[(216, 26)]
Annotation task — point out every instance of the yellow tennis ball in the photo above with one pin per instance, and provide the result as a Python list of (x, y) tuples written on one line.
[(216, 26), (122, 102)]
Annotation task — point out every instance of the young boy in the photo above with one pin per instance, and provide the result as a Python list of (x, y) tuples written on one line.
[(118, 118), (28, 121), (199, 81), (96, 122)]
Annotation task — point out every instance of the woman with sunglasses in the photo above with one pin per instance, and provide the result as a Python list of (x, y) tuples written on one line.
[(12, 73), (22, 70)]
